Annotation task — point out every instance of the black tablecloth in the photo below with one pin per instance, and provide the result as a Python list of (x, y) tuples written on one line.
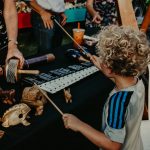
[(47, 131)]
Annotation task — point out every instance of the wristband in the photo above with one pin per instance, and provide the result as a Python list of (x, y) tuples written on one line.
[(13, 41)]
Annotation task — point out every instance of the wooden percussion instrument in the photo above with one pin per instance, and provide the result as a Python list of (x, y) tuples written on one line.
[(39, 60), (12, 71), (58, 79), (7, 96)]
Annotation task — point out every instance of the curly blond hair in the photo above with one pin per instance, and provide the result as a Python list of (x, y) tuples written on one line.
[(124, 50)]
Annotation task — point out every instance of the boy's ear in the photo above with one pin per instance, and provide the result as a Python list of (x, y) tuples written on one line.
[(95, 61), (109, 71)]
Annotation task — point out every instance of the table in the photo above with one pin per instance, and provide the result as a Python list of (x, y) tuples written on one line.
[(47, 131)]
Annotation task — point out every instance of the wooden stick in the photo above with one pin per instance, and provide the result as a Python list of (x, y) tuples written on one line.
[(80, 47), (78, 25), (28, 71), (49, 99)]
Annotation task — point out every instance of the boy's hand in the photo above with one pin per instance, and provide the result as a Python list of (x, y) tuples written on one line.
[(96, 61), (72, 122)]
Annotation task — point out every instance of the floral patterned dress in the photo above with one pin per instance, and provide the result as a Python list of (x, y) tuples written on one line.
[(3, 33), (107, 11)]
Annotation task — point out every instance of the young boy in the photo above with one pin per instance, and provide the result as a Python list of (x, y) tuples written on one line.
[(123, 56)]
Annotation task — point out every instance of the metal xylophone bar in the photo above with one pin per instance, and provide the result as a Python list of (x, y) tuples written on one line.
[(56, 107), (62, 82), (58, 79)]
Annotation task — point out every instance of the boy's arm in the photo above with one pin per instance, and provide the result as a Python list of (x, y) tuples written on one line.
[(45, 15), (97, 62), (96, 137)]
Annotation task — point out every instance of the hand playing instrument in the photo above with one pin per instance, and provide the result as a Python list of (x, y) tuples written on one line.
[(12, 71), (27, 64), (57, 108)]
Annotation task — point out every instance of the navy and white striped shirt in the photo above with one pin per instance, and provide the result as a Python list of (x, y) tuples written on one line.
[(117, 108), (122, 115)]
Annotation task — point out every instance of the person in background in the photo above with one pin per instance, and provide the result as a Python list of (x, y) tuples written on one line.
[(47, 34), (124, 54), (9, 32), (8, 35), (100, 13)]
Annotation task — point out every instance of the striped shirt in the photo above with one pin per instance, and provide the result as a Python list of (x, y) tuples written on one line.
[(122, 116)]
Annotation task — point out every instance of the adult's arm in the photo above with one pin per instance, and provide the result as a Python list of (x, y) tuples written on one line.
[(95, 15), (11, 21), (45, 15)]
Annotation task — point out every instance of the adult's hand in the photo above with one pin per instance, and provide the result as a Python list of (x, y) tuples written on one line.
[(46, 17), (13, 51), (64, 18), (97, 18)]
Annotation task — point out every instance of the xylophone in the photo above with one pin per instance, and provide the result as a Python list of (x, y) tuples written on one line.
[(58, 79)]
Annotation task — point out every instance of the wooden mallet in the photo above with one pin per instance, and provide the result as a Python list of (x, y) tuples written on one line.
[(55, 106), (12, 71), (38, 60)]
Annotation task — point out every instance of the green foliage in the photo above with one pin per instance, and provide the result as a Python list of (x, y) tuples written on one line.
[(147, 1)]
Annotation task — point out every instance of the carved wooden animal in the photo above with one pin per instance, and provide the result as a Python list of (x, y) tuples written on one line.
[(15, 115), (1, 71), (7, 96), (1, 133), (33, 97), (68, 96)]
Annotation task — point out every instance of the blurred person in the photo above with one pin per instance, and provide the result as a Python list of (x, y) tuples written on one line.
[(8, 35), (9, 32), (47, 34), (100, 13)]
